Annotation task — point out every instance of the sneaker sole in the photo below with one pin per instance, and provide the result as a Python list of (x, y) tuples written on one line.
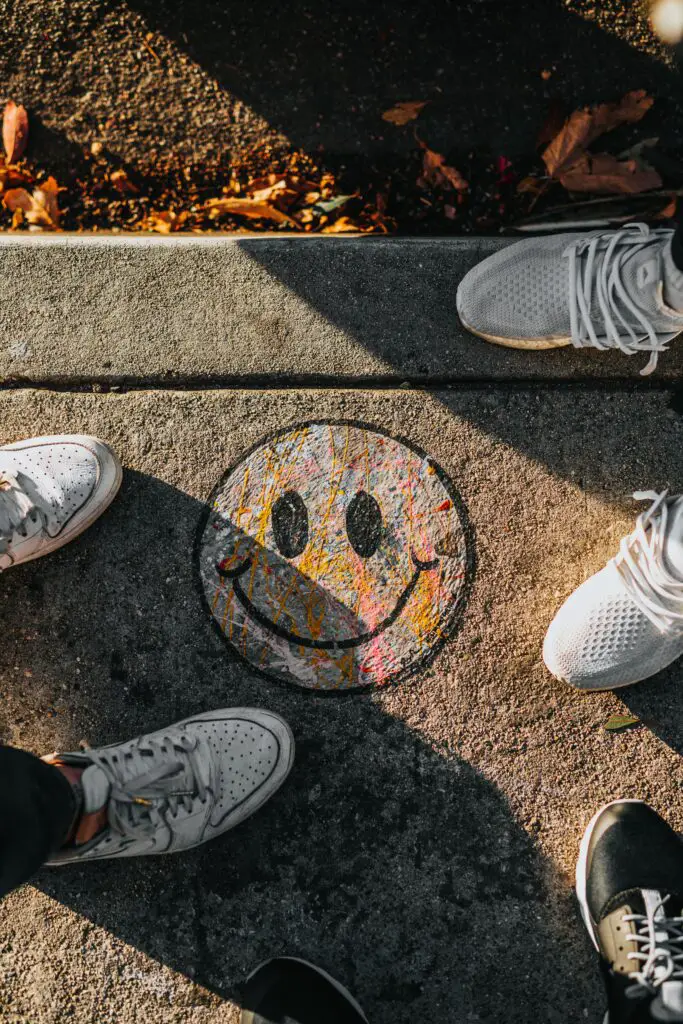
[(318, 970), (104, 499), (606, 687), (529, 344), (582, 869)]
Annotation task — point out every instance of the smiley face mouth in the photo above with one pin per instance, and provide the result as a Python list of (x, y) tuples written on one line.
[(323, 645)]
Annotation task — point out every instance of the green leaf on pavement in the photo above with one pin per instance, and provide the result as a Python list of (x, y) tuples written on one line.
[(616, 722)]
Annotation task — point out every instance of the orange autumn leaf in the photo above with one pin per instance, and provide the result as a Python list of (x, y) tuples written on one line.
[(163, 222), (248, 208), (341, 226), (530, 184), (436, 173), (402, 113), (122, 182), (586, 125), (605, 173), (39, 208), (275, 191), (14, 131)]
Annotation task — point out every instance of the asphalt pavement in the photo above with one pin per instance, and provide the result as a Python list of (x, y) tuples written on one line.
[(424, 845)]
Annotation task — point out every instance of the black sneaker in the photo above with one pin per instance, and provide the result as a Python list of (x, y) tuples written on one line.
[(629, 881), (290, 991)]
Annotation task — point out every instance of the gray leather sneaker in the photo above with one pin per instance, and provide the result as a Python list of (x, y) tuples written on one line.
[(175, 788)]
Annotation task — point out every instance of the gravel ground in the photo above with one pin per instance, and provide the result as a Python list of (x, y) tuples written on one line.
[(180, 94)]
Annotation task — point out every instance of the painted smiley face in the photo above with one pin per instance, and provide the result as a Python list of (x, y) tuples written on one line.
[(334, 556)]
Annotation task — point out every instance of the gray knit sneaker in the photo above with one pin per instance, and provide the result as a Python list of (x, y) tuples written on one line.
[(175, 788), (603, 290)]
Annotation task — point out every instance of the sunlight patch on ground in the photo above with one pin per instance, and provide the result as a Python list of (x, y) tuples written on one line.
[(629, 21)]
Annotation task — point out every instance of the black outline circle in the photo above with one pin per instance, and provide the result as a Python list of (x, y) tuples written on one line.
[(450, 628)]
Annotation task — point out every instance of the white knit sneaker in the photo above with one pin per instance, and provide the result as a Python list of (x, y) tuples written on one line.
[(178, 787), (51, 490), (626, 622), (602, 290)]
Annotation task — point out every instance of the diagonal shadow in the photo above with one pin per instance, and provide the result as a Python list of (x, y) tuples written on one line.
[(322, 74), (395, 865)]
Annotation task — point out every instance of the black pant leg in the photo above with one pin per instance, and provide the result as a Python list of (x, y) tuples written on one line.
[(37, 808)]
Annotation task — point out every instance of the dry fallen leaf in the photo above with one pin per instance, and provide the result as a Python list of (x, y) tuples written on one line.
[(554, 122), (404, 112), (530, 184), (14, 131), (436, 173), (342, 226), (163, 222), (584, 126), (248, 208), (274, 191), (13, 176), (40, 209), (669, 210), (122, 182), (604, 173)]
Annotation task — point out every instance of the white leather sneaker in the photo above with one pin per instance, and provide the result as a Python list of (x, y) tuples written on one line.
[(178, 787), (625, 623), (51, 490)]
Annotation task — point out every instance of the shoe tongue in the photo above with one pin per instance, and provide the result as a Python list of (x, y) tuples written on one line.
[(641, 274), (673, 541), (96, 789)]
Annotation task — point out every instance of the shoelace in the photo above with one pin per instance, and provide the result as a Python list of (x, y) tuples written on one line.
[(140, 802), (595, 270), (640, 563), (19, 502), (660, 953)]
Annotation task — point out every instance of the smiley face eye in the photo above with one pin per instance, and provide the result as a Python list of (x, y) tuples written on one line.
[(290, 524), (364, 524)]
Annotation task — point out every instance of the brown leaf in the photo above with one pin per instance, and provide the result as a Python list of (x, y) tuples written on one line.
[(669, 210), (14, 131), (604, 173), (248, 208), (530, 184), (264, 195), (122, 182), (163, 222), (404, 112), (342, 226), (40, 208), (436, 173), (583, 126), (554, 121)]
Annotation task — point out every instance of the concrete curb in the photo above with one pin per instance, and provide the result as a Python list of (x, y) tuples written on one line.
[(118, 308)]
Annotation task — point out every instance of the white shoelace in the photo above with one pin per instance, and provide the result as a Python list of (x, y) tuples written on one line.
[(595, 271), (660, 952), (19, 502), (150, 797), (640, 563)]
